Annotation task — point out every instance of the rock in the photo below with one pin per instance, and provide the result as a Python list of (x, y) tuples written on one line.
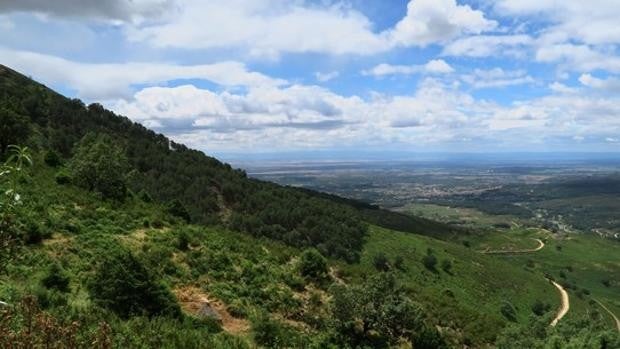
[(207, 311)]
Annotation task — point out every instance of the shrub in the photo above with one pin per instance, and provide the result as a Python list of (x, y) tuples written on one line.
[(540, 308), (63, 177), (312, 264), (145, 196), (33, 233), (52, 158), (183, 240), (430, 262), (374, 314), (157, 223), (176, 208), (266, 332), (446, 265), (381, 262), (122, 284), (399, 263), (55, 278), (509, 312)]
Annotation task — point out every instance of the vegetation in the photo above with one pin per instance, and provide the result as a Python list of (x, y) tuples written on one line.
[(115, 237)]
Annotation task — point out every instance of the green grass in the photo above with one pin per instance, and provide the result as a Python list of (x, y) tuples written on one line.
[(584, 260), (479, 283), (466, 217)]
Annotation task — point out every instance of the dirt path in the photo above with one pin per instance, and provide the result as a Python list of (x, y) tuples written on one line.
[(610, 313), (540, 246), (565, 303)]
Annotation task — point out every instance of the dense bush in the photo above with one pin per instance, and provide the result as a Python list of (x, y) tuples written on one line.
[(508, 310), (430, 262), (381, 262), (63, 177), (14, 128), (313, 265), (375, 314), (56, 278), (52, 158), (122, 284)]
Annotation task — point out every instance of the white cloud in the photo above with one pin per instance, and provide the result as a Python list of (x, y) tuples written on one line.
[(106, 81), (607, 85), (263, 27), (438, 113), (270, 27), (486, 45), (323, 77), (496, 77), (432, 21), (561, 88), (435, 66), (578, 57), (591, 22)]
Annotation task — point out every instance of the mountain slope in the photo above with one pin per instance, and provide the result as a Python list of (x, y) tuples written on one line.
[(128, 240)]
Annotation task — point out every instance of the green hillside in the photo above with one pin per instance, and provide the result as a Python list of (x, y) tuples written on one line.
[(112, 236)]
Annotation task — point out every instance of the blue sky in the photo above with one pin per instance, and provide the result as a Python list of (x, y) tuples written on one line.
[(247, 76)]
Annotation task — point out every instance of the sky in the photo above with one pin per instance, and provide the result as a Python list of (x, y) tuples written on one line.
[(277, 76)]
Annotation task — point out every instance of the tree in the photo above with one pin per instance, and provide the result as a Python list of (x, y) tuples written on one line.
[(100, 166), (14, 128), (125, 286), (312, 264), (375, 314)]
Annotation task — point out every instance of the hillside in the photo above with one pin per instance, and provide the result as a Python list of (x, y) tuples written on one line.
[(113, 236)]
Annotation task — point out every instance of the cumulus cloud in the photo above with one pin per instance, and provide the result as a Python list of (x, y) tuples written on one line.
[(611, 84), (105, 81), (115, 10), (302, 107), (489, 45), (269, 27), (589, 22), (580, 58), (264, 28), (496, 77), (432, 21), (435, 66), (323, 77)]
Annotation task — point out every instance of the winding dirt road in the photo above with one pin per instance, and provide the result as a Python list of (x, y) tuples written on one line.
[(540, 246), (610, 313), (565, 304)]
